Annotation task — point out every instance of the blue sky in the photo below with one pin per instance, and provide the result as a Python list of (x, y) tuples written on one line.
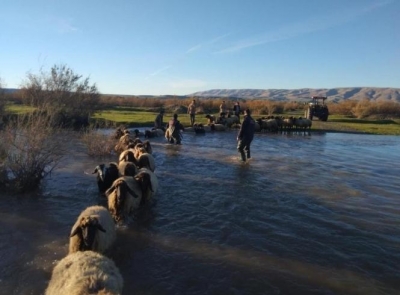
[(180, 47)]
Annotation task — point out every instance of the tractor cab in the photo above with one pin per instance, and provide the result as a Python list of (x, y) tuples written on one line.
[(317, 108)]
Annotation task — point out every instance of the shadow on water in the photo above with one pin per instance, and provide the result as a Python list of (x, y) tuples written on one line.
[(310, 214)]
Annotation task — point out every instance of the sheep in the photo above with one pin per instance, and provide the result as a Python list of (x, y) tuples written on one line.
[(123, 142), (199, 129), (287, 123), (106, 175), (268, 124), (127, 155), (127, 169), (211, 119), (85, 272), (231, 120), (149, 191), (144, 159), (118, 133), (127, 194), (93, 230), (148, 146), (218, 127), (154, 133), (302, 123)]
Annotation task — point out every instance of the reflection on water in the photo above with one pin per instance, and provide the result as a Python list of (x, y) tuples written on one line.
[(310, 214)]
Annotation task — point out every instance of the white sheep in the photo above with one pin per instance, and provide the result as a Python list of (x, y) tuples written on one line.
[(85, 272), (93, 230), (126, 195)]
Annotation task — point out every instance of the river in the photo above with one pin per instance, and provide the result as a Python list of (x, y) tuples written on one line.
[(309, 214)]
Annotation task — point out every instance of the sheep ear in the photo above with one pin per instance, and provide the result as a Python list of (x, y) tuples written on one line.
[(100, 228), (110, 190), (75, 229), (95, 170)]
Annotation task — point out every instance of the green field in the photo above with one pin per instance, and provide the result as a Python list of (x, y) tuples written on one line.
[(142, 117)]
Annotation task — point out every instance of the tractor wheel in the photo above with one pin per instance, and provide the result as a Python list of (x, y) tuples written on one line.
[(324, 118)]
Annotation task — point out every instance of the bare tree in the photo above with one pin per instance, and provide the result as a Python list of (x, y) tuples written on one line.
[(62, 93)]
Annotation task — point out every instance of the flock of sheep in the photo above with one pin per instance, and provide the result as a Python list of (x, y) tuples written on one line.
[(128, 184), (263, 124)]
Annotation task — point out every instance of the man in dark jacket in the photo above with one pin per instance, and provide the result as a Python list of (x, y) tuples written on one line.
[(245, 135)]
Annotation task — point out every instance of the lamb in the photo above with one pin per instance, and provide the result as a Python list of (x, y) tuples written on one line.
[(106, 175), (127, 194), (85, 272), (93, 230)]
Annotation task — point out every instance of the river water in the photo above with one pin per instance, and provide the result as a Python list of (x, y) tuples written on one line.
[(309, 214)]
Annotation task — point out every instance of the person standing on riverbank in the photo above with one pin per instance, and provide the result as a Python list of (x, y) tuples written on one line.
[(246, 135), (236, 110), (192, 112), (222, 109), (158, 122)]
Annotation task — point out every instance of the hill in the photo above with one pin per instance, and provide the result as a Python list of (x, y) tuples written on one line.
[(333, 94)]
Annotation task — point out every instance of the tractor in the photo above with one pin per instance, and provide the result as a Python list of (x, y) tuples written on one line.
[(317, 108)]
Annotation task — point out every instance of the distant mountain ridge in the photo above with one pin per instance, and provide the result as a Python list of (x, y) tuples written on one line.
[(333, 94), (303, 94)]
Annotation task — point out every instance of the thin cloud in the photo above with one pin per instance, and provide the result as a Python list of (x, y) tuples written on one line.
[(297, 29), (194, 48), (207, 43), (158, 72), (63, 26)]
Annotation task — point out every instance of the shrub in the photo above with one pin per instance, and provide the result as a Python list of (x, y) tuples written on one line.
[(33, 149), (344, 107), (98, 144)]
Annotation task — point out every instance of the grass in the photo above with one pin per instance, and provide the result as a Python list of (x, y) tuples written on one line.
[(144, 117), (18, 109), (134, 117), (345, 124)]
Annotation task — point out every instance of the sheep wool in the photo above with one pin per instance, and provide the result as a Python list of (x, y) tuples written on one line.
[(85, 272)]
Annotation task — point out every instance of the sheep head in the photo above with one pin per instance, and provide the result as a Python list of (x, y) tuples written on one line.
[(101, 171), (87, 229), (147, 146)]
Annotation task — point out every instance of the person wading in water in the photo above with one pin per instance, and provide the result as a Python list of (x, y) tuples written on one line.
[(245, 136)]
